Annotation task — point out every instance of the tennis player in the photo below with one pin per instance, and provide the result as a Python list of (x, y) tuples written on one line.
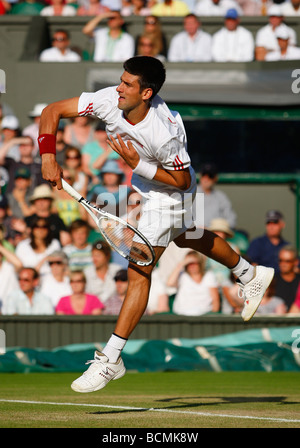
[(152, 141)]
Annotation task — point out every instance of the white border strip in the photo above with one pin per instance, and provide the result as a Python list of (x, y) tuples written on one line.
[(202, 414)]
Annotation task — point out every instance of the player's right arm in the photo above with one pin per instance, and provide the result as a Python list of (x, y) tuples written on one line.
[(50, 117)]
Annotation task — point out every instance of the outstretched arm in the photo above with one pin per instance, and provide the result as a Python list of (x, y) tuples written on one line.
[(50, 117)]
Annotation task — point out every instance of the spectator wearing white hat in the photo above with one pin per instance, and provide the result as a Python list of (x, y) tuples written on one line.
[(233, 42), (10, 129), (285, 52), (32, 130), (266, 40)]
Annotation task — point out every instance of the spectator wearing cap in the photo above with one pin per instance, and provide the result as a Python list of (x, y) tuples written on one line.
[(266, 39), (114, 303), (41, 200), (100, 275), (233, 42), (10, 130), (216, 202), (57, 280), (215, 7), (286, 52), (19, 197), (265, 249), (32, 130), (60, 50), (26, 148), (111, 193), (96, 153)]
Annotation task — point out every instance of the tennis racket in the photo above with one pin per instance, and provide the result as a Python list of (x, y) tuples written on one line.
[(120, 235)]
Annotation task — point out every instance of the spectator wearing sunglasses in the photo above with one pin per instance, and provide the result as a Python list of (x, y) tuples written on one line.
[(60, 50), (27, 299), (57, 280), (216, 202)]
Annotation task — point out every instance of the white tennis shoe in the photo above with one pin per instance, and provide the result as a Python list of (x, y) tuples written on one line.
[(254, 290), (99, 373)]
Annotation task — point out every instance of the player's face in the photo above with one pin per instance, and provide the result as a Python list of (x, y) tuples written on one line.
[(130, 94)]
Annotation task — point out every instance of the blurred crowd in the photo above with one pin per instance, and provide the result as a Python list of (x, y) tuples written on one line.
[(106, 27), (54, 260)]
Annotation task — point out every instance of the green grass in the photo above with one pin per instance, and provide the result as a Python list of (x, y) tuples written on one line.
[(192, 399)]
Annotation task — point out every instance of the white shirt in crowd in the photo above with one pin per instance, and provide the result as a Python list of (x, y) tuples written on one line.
[(18, 303), (233, 46), (55, 55), (58, 289), (266, 37), (103, 289), (288, 10), (30, 258), (194, 299), (209, 8), (114, 50), (183, 48), (68, 10), (8, 283), (292, 54)]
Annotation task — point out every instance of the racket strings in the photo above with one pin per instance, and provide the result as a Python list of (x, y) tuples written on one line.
[(125, 240)]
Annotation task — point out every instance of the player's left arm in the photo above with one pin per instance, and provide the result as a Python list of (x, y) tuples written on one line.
[(179, 179)]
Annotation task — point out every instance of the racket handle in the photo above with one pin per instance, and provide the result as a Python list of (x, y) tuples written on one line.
[(70, 190)]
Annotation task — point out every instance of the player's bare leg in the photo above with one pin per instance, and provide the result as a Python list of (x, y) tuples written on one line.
[(108, 365)]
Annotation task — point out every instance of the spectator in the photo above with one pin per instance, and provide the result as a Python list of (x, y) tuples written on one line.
[(96, 153), (34, 250), (19, 197), (216, 7), (136, 8), (9, 267), (255, 7), (79, 250), (61, 145), (158, 301), (5, 7), (152, 28), (112, 43), (64, 205), (233, 42), (42, 200), (171, 8), (271, 304), (60, 50), (73, 162), (93, 8), (286, 52), (100, 275), (27, 8), (57, 280), (287, 279), (197, 289), (266, 39), (27, 299), (111, 193), (295, 308), (192, 44), (32, 130), (291, 8), (10, 130), (216, 203), (79, 132), (58, 8), (14, 229), (146, 47), (79, 302), (265, 249), (26, 149), (114, 303)]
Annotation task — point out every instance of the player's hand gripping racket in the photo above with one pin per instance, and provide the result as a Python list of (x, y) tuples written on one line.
[(119, 234)]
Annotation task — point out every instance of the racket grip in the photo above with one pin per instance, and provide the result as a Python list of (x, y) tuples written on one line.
[(70, 190)]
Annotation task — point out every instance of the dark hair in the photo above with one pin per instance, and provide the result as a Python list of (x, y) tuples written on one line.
[(79, 224), (151, 72), (48, 238)]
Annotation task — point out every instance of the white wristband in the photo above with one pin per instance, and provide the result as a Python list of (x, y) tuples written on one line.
[(145, 169)]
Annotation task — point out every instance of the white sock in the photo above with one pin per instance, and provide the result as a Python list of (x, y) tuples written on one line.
[(114, 347), (244, 271)]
